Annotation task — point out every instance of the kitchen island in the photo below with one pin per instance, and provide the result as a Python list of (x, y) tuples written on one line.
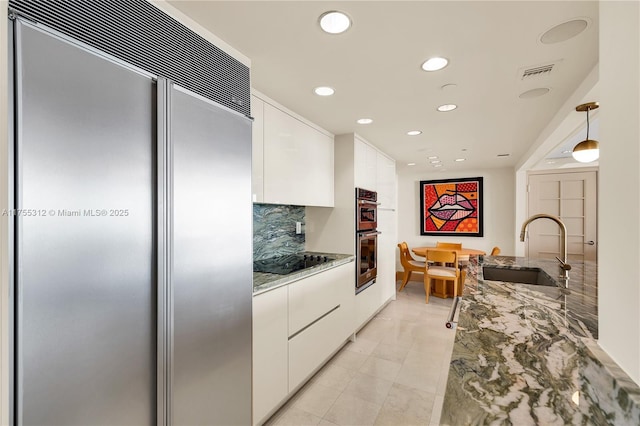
[(526, 354)]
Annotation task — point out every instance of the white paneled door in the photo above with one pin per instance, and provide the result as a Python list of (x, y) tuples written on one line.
[(573, 197)]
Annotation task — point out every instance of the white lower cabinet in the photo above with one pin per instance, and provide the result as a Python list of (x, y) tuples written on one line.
[(295, 329), (313, 297), (320, 312), (367, 303), (270, 351), (312, 346)]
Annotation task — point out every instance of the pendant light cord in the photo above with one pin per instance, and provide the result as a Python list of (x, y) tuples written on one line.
[(588, 109)]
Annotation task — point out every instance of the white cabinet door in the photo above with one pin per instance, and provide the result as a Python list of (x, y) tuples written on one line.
[(317, 181), (257, 151), (298, 161), (386, 180), (387, 248), (365, 167), (270, 351), (368, 301)]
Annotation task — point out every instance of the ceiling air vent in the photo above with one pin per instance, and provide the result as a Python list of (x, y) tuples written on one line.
[(536, 72)]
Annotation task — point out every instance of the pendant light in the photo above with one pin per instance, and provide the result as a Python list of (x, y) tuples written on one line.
[(588, 150)]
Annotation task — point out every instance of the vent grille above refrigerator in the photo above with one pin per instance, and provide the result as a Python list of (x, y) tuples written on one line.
[(137, 32)]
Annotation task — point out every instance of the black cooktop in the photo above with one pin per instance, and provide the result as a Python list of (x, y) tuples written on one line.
[(283, 265)]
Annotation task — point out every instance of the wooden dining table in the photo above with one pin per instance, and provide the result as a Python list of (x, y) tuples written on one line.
[(441, 290)]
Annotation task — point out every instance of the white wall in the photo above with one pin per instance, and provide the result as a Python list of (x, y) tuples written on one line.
[(619, 192), (520, 210), (564, 124), (499, 215)]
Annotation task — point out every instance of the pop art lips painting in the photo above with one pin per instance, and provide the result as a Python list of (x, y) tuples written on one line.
[(452, 207)]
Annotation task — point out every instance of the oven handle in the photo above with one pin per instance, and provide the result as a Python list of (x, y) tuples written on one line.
[(369, 234), (368, 202)]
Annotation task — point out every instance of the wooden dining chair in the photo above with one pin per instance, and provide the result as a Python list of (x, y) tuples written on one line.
[(409, 264), (439, 270), (495, 251), (453, 246), (462, 260)]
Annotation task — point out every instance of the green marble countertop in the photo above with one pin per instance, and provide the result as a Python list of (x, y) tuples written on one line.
[(578, 299), (526, 354), (263, 282)]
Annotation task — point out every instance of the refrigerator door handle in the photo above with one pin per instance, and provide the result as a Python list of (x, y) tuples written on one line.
[(165, 290)]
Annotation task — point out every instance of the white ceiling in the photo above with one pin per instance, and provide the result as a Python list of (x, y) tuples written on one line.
[(375, 69)]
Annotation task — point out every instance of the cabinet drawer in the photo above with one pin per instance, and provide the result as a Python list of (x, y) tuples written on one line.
[(313, 297), (311, 347)]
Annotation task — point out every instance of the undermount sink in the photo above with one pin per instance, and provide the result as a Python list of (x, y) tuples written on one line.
[(535, 276)]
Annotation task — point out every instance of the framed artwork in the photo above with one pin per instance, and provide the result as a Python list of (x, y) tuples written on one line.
[(451, 207)]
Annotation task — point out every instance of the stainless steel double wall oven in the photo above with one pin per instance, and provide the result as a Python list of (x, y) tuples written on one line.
[(366, 238)]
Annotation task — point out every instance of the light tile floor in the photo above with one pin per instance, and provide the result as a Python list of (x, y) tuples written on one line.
[(395, 373)]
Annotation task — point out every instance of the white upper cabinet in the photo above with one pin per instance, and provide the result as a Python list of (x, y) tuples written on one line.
[(386, 180), (376, 172), (257, 148), (297, 161), (365, 157)]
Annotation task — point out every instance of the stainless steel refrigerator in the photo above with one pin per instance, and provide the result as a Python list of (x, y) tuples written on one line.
[(133, 239)]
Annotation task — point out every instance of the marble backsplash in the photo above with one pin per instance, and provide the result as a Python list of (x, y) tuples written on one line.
[(274, 230)]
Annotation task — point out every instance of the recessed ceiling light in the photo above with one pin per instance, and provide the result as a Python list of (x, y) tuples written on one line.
[(435, 64), (414, 132), (566, 151), (324, 91), (550, 162), (464, 149), (564, 31), (364, 121), (435, 161), (437, 165), (534, 93), (411, 164), (459, 160), (448, 86), (433, 157), (334, 22), (447, 107)]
